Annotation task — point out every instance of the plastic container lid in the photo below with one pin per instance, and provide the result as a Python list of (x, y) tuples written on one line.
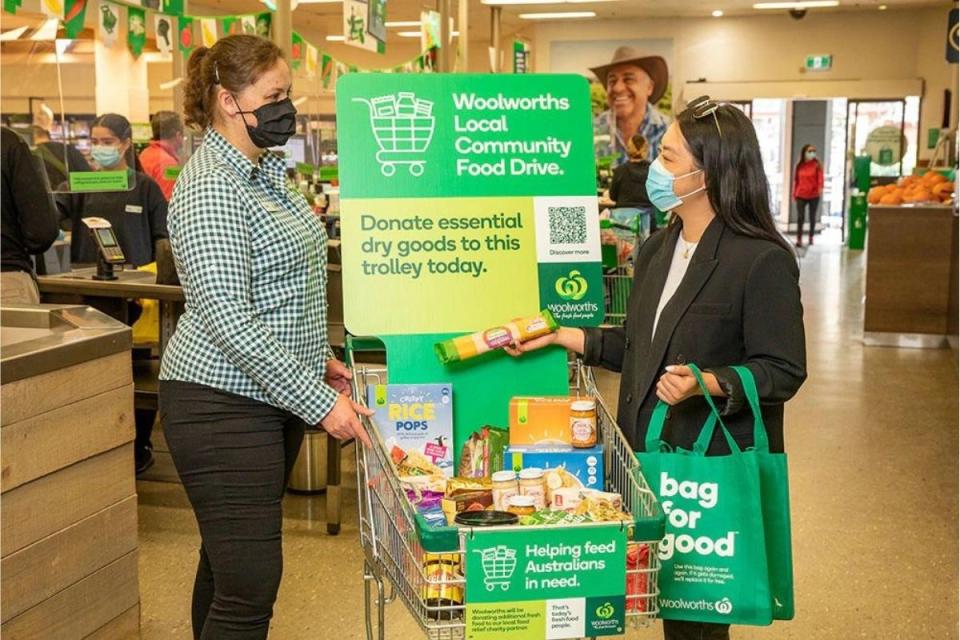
[(583, 405), (486, 518), (521, 501), (504, 476), (532, 473)]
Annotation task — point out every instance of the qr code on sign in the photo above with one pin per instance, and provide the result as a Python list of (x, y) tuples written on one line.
[(568, 225)]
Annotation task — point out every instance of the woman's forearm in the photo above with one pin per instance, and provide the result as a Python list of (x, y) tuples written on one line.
[(571, 338)]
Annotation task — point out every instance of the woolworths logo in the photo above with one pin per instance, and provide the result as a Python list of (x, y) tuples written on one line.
[(572, 287), (723, 607), (605, 611)]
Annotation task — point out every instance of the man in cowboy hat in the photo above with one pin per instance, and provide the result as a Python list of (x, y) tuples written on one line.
[(635, 82)]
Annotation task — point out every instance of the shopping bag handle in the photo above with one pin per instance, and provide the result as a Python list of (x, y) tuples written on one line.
[(654, 442), (760, 441)]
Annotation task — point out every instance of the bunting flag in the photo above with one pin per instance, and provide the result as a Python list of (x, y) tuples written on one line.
[(136, 30), (163, 27), (231, 25), (52, 8), (248, 24), (263, 24), (326, 71), (108, 22), (174, 7), (186, 35), (11, 6), (296, 50), (74, 12), (208, 31), (311, 62)]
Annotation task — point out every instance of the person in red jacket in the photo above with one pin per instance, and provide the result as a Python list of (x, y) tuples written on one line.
[(164, 150), (807, 190)]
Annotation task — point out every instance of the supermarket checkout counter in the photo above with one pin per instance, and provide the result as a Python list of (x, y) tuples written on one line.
[(912, 277), (319, 466), (69, 504)]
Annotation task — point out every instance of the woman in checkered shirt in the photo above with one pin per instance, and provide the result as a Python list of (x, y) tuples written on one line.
[(249, 363)]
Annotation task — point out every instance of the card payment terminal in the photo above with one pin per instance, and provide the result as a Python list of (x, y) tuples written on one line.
[(108, 249)]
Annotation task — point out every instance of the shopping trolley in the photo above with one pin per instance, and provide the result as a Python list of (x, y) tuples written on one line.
[(395, 554), (617, 275), (403, 128)]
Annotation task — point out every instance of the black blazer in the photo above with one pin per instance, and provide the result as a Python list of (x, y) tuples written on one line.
[(738, 304)]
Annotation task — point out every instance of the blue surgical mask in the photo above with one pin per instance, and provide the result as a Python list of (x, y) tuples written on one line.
[(811, 155), (106, 156), (660, 187)]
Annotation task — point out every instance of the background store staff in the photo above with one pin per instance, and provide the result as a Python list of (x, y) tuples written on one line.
[(629, 186), (807, 190), (718, 287), (138, 216), (28, 218), (59, 158), (249, 362), (164, 150)]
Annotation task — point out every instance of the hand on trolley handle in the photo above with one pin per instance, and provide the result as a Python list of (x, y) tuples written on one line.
[(344, 422)]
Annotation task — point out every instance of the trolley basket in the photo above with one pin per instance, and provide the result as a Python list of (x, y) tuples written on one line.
[(424, 566)]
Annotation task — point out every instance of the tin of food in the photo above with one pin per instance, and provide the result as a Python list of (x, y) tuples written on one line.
[(443, 588), (486, 518)]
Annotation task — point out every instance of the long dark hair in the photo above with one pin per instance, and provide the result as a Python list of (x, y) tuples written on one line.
[(728, 152)]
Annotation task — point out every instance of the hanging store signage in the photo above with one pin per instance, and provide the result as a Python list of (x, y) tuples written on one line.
[(547, 583), (363, 20), (467, 199), (521, 57), (818, 63)]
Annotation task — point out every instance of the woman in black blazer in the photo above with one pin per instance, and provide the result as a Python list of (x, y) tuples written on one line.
[(718, 287)]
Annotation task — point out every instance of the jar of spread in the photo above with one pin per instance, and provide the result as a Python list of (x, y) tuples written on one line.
[(522, 505), (505, 486), (532, 484), (583, 424)]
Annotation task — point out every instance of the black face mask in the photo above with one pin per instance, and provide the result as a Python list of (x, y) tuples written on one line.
[(276, 122)]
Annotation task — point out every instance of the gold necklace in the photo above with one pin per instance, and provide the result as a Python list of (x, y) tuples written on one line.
[(687, 247)]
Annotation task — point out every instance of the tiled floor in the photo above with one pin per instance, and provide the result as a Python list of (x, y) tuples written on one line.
[(872, 439)]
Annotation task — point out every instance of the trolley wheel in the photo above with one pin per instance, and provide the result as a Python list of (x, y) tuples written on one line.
[(505, 586), (333, 528), (416, 169), (490, 587), (388, 169)]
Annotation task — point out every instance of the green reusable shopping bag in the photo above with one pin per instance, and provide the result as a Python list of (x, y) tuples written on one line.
[(713, 556), (775, 501)]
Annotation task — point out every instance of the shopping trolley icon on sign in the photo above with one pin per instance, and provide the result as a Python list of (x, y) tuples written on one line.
[(403, 128), (498, 563)]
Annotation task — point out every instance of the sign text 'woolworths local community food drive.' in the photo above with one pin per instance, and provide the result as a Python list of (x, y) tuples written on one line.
[(467, 200), (545, 583)]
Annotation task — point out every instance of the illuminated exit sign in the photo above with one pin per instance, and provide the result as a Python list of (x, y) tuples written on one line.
[(818, 63)]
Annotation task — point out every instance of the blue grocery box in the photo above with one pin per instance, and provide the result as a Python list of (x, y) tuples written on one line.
[(586, 465)]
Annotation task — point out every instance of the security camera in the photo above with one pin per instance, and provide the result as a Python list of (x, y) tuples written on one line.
[(798, 14)]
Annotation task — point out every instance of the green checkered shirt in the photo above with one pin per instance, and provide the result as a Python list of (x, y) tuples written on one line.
[(252, 259)]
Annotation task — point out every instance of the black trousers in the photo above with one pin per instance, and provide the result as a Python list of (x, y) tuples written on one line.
[(679, 630), (234, 456), (807, 208)]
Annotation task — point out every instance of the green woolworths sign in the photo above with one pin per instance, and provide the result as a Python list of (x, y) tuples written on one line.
[(471, 199), (554, 583)]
